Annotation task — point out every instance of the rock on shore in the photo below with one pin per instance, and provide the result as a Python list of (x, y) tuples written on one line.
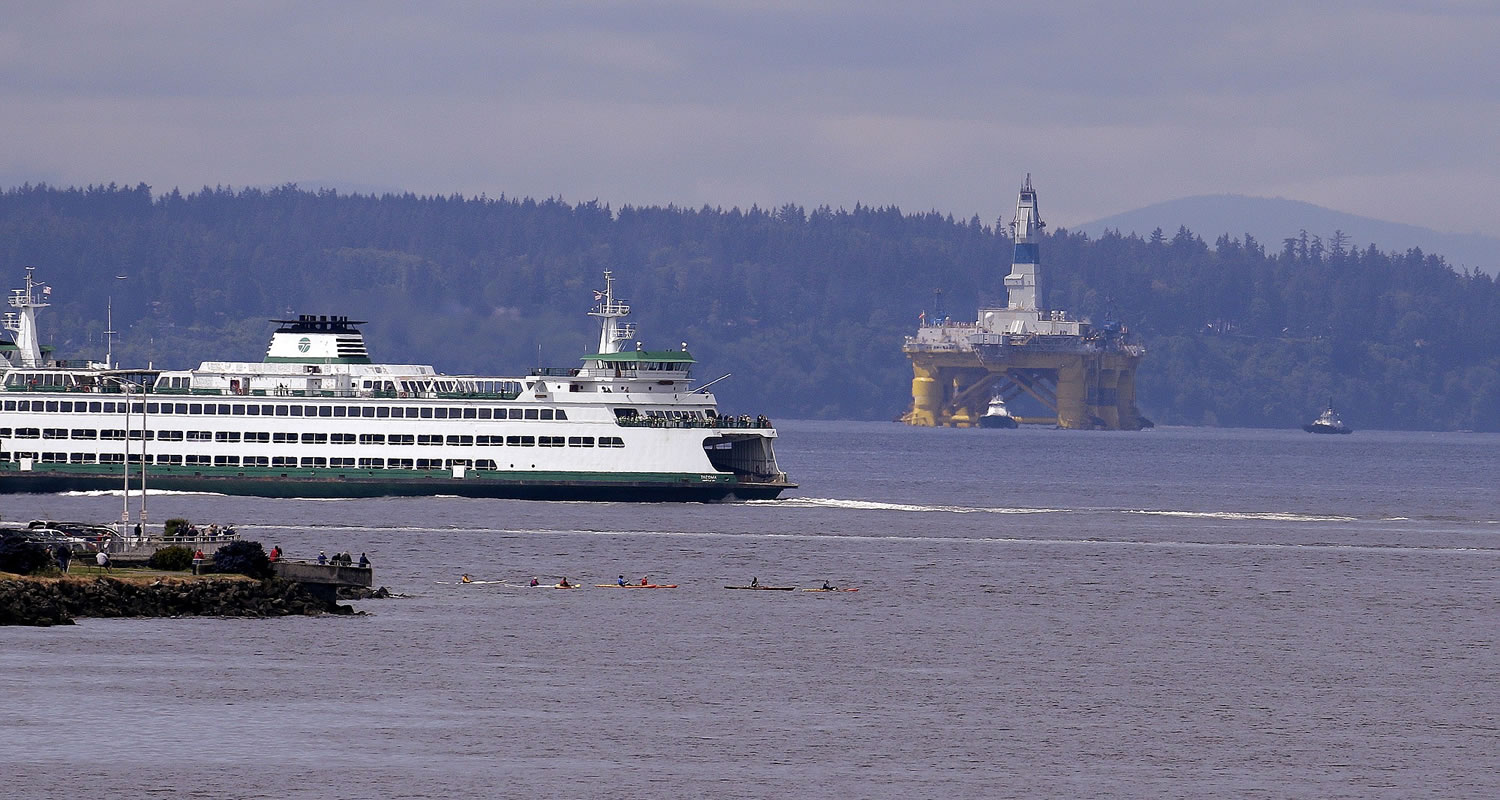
[(58, 602)]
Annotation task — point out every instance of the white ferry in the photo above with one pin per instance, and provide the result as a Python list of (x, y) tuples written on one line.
[(318, 418)]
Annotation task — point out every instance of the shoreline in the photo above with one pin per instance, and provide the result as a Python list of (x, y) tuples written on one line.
[(44, 601)]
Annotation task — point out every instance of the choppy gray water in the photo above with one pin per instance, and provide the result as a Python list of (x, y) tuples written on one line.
[(1175, 613)]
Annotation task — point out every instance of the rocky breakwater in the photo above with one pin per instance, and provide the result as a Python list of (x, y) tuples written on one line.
[(57, 601)]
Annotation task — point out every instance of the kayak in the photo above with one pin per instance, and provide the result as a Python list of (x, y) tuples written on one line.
[(560, 586), (635, 586), (765, 588), (855, 589)]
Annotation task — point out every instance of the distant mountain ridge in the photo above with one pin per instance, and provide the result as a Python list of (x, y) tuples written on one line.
[(1271, 220)]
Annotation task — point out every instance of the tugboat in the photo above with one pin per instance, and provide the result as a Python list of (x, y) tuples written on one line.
[(1327, 422), (997, 415)]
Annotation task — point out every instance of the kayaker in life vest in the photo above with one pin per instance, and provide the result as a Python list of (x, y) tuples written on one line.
[(622, 580), (535, 582), (644, 582), (826, 587), (465, 578), (564, 584)]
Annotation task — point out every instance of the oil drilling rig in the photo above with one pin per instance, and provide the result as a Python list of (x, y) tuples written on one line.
[(1082, 374)]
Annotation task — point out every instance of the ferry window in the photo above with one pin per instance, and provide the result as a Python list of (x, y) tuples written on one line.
[(169, 436), (223, 408), (429, 439), (210, 408), (456, 413), (296, 411), (546, 413), (461, 440), (340, 462), (325, 411), (580, 441), (531, 413), (195, 460), (66, 406), (85, 433), (137, 408), (458, 462), (314, 461), (440, 413), (54, 433), (4, 432), (382, 412), (515, 413), (521, 441), (372, 438), (253, 411), (283, 437), (267, 410), (372, 463), (193, 408), (561, 414), (625, 413), (153, 408), (258, 436), (26, 405), (166, 408), (341, 438), (366, 411), (338, 411), (257, 461), (401, 438), (113, 434), (484, 463), (238, 408), (283, 461), (426, 412), (51, 405), (199, 436), (136, 435), (282, 411), (226, 461), (471, 413), (484, 413), (227, 436), (398, 463), (10, 405)]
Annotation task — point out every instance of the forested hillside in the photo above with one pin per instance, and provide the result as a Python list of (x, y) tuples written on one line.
[(806, 308)]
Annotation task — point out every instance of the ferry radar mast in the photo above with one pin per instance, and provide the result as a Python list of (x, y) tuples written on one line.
[(612, 332), (22, 321)]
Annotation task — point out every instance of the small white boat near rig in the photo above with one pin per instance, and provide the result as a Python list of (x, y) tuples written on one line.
[(318, 418)]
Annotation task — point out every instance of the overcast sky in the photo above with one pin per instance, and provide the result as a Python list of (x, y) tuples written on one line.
[(1387, 109)]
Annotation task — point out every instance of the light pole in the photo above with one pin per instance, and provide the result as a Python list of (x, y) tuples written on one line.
[(126, 387)]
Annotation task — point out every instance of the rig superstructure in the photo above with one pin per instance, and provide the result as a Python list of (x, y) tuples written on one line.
[(1084, 374)]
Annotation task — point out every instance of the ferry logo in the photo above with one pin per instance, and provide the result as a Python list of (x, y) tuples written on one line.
[(304, 344)]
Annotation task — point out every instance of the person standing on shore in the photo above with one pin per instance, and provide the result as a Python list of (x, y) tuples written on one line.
[(64, 555), (102, 560), (364, 561), (322, 557)]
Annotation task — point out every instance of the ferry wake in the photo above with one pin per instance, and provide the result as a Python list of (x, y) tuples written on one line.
[(318, 418)]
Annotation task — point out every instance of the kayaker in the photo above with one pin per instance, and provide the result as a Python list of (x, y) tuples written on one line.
[(465, 578), (622, 580), (755, 583), (535, 582), (826, 587), (565, 584), (644, 582)]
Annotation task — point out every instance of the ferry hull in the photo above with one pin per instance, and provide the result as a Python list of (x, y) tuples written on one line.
[(648, 489)]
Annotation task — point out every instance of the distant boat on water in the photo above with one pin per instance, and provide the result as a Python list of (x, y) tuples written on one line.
[(1328, 422)]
